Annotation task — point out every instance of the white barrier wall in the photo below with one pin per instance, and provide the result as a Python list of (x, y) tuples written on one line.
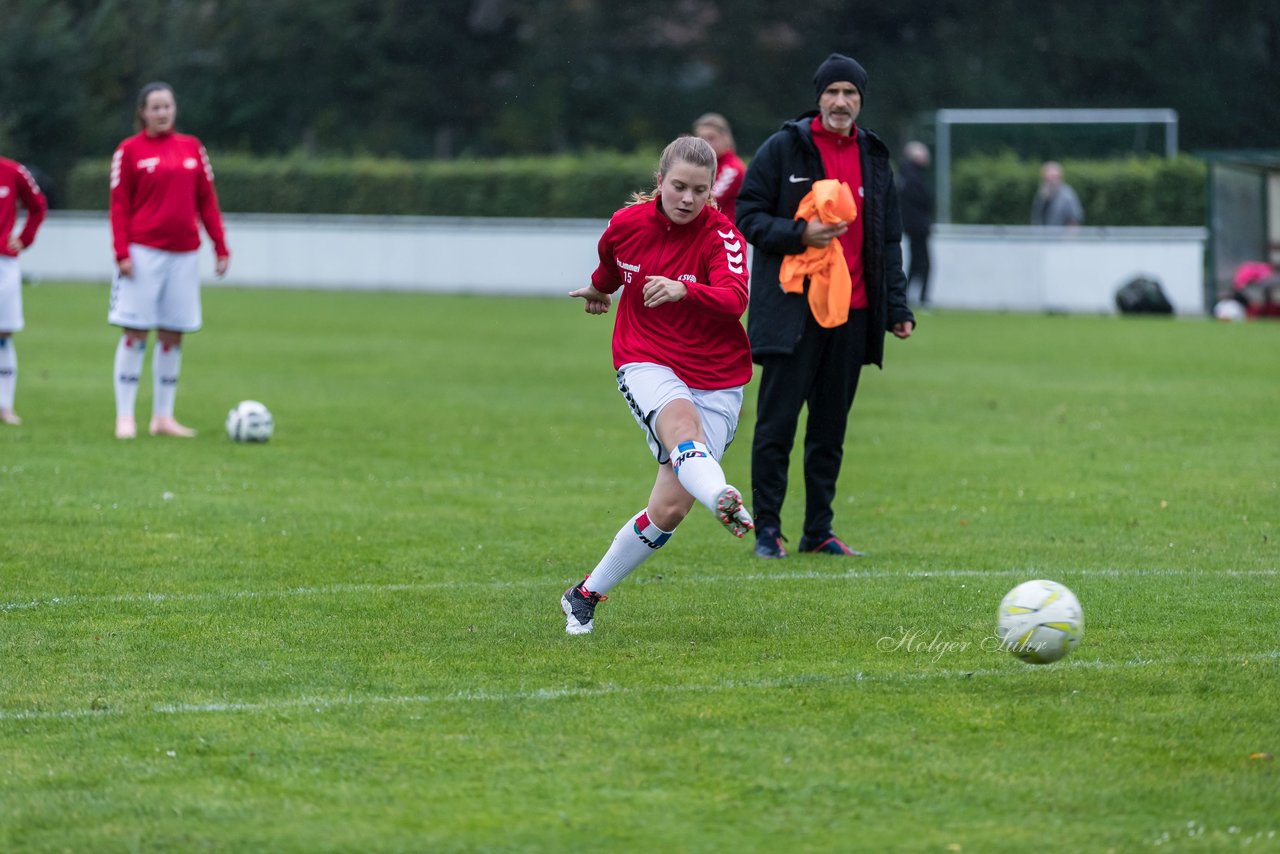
[(1003, 268), (1040, 269), (499, 256)]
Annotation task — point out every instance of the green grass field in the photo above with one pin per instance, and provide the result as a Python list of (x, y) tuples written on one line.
[(348, 639)]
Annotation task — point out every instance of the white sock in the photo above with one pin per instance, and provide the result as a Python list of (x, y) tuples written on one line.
[(631, 546), (699, 473), (166, 365), (128, 367), (8, 372)]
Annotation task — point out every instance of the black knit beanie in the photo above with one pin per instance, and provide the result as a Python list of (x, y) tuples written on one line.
[(837, 66)]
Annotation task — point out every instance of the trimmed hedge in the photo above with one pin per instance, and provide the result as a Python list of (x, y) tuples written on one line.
[(592, 186), (1148, 191)]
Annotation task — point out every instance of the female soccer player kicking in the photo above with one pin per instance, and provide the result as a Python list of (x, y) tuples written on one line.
[(681, 354)]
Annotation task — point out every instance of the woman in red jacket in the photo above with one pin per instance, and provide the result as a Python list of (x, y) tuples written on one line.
[(16, 185), (161, 181), (681, 354), (730, 170)]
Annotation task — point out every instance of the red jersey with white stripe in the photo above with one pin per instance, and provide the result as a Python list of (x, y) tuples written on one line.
[(730, 172), (17, 185), (700, 337), (159, 186)]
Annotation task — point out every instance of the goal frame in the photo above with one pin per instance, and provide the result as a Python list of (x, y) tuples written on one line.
[(944, 120)]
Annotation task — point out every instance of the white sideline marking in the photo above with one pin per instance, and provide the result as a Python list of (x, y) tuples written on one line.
[(809, 575), (321, 704)]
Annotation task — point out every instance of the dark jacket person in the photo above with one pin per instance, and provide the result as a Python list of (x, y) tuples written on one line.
[(803, 362)]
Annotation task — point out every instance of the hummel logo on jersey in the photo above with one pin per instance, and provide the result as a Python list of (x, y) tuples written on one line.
[(149, 163), (189, 163), (732, 250), (635, 268), (4, 192), (794, 180)]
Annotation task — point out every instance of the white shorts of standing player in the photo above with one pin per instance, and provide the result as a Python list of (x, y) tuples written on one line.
[(10, 321), (162, 293)]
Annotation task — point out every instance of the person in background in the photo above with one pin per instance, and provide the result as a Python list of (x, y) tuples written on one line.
[(916, 201), (161, 184), (730, 170), (681, 355), (803, 360), (16, 186), (1056, 203)]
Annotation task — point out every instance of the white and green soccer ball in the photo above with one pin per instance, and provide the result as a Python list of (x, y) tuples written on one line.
[(1040, 621), (249, 421)]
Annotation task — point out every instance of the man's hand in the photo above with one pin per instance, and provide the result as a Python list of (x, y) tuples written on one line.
[(818, 233), (904, 328)]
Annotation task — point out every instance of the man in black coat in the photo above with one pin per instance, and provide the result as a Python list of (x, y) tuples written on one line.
[(803, 362), (917, 213)]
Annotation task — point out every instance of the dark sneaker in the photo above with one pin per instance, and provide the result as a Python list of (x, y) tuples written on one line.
[(829, 545), (579, 606), (769, 543), (732, 514)]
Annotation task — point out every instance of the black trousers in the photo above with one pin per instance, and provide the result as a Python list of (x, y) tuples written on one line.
[(918, 268), (823, 373)]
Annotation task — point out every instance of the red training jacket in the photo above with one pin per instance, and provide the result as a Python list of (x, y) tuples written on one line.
[(700, 337), (17, 184), (159, 184), (730, 172)]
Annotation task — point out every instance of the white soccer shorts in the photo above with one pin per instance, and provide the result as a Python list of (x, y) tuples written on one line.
[(10, 295), (648, 388), (162, 293)]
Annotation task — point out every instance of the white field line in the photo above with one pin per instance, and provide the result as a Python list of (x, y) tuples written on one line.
[(491, 584), (321, 704)]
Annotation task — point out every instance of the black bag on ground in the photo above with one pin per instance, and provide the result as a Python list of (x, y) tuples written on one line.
[(1142, 295)]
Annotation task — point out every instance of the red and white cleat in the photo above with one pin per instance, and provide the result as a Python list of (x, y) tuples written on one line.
[(732, 514)]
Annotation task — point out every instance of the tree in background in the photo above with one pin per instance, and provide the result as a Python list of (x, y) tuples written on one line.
[(478, 78)]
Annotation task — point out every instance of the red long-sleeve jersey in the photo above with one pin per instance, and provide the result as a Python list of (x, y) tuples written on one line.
[(159, 185), (700, 337), (16, 184), (730, 173)]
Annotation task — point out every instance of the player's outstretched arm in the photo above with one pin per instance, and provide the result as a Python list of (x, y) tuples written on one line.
[(597, 302)]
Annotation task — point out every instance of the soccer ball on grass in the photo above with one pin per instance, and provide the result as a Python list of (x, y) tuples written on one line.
[(1040, 621), (249, 421)]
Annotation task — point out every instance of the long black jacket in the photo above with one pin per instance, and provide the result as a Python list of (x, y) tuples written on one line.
[(781, 173), (915, 199)]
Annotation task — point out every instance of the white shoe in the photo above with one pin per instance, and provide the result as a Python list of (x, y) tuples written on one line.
[(732, 514), (126, 427), (8, 416), (165, 425)]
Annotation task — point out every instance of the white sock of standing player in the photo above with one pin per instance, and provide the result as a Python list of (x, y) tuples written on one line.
[(128, 369), (699, 473), (166, 365), (8, 373), (634, 543)]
